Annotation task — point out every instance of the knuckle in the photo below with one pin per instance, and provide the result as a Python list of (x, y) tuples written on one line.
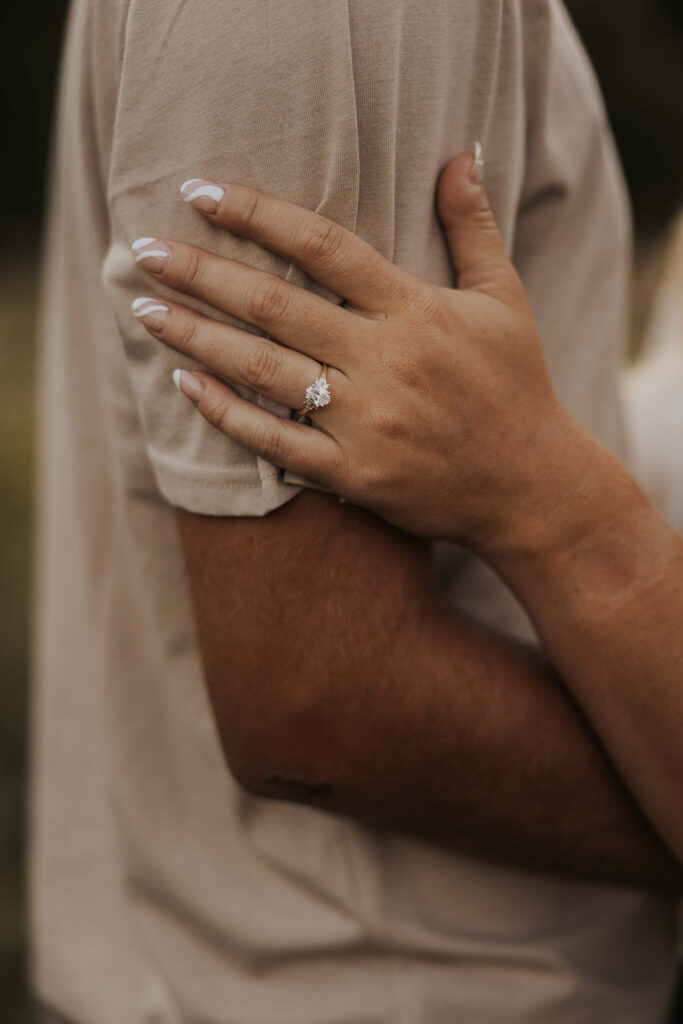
[(187, 333), (270, 443), (369, 478), (403, 366), (267, 300), (339, 470), (400, 285), (221, 417), (322, 242), (382, 274), (262, 365), (251, 209), (215, 411), (480, 216), (387, 425), (427, 306), (193, 269)]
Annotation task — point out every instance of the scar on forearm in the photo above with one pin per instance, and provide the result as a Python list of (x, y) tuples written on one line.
[(301, 787)]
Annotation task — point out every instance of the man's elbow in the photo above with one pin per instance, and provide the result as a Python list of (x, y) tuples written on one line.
[(279, 735)]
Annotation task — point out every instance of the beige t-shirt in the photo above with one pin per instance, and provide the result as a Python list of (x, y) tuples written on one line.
[(161, 892)]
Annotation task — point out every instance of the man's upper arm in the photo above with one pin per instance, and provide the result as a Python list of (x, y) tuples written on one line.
[(294, 606)]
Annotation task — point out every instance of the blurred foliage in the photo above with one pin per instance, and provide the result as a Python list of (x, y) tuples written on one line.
[(17, 290), (30, 41), (637, 48)]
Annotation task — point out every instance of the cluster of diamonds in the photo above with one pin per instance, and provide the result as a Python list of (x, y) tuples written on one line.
[(318, 394)]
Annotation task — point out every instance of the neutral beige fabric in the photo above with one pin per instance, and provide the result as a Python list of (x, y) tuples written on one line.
[(159, 891)]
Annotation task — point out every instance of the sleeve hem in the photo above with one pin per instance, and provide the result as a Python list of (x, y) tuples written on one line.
[(220, 490)]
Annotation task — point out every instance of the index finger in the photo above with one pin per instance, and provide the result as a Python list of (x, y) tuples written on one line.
[(341, 261)]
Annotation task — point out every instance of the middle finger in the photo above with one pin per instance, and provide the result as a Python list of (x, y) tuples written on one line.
[(240, 356), (293, 315)]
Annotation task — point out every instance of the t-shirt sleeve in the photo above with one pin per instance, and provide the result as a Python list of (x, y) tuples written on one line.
[(259, 97), (572, 231)]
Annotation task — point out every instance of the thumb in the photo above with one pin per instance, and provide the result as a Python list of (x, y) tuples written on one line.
[(476, 246)]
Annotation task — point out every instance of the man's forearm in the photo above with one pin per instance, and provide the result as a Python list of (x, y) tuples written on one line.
[(474, 743), (377, 701)]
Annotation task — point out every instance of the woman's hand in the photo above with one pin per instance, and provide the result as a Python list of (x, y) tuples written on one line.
[(442, 414)]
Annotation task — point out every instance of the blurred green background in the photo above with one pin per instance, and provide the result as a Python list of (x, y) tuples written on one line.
[(637, 48)]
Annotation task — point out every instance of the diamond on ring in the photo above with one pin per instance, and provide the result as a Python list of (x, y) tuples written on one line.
[(317, 393)]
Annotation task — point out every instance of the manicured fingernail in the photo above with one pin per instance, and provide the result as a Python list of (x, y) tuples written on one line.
[(477, 172), (152, 312), (190, 385), (153, 252), (204, 195)]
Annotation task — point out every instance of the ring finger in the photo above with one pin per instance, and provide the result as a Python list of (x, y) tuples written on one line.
[(273, 370)]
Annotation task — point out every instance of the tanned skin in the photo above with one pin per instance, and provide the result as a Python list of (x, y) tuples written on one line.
[(341, 679)]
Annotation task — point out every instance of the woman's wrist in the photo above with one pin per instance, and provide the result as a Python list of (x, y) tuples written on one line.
[(578, 517)]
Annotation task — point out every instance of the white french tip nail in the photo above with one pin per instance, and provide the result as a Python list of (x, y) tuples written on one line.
[(176, 378), (137, 303), (205, 192), (141, 242), (160, 253), (190, 181), (478, 154), (156, 307)]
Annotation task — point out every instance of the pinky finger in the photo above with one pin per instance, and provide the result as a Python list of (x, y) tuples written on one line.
[(289, 445)]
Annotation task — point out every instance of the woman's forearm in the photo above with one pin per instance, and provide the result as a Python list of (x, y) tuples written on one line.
[(600, 572)]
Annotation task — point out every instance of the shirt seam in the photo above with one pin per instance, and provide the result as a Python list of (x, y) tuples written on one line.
[(164, 459)]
